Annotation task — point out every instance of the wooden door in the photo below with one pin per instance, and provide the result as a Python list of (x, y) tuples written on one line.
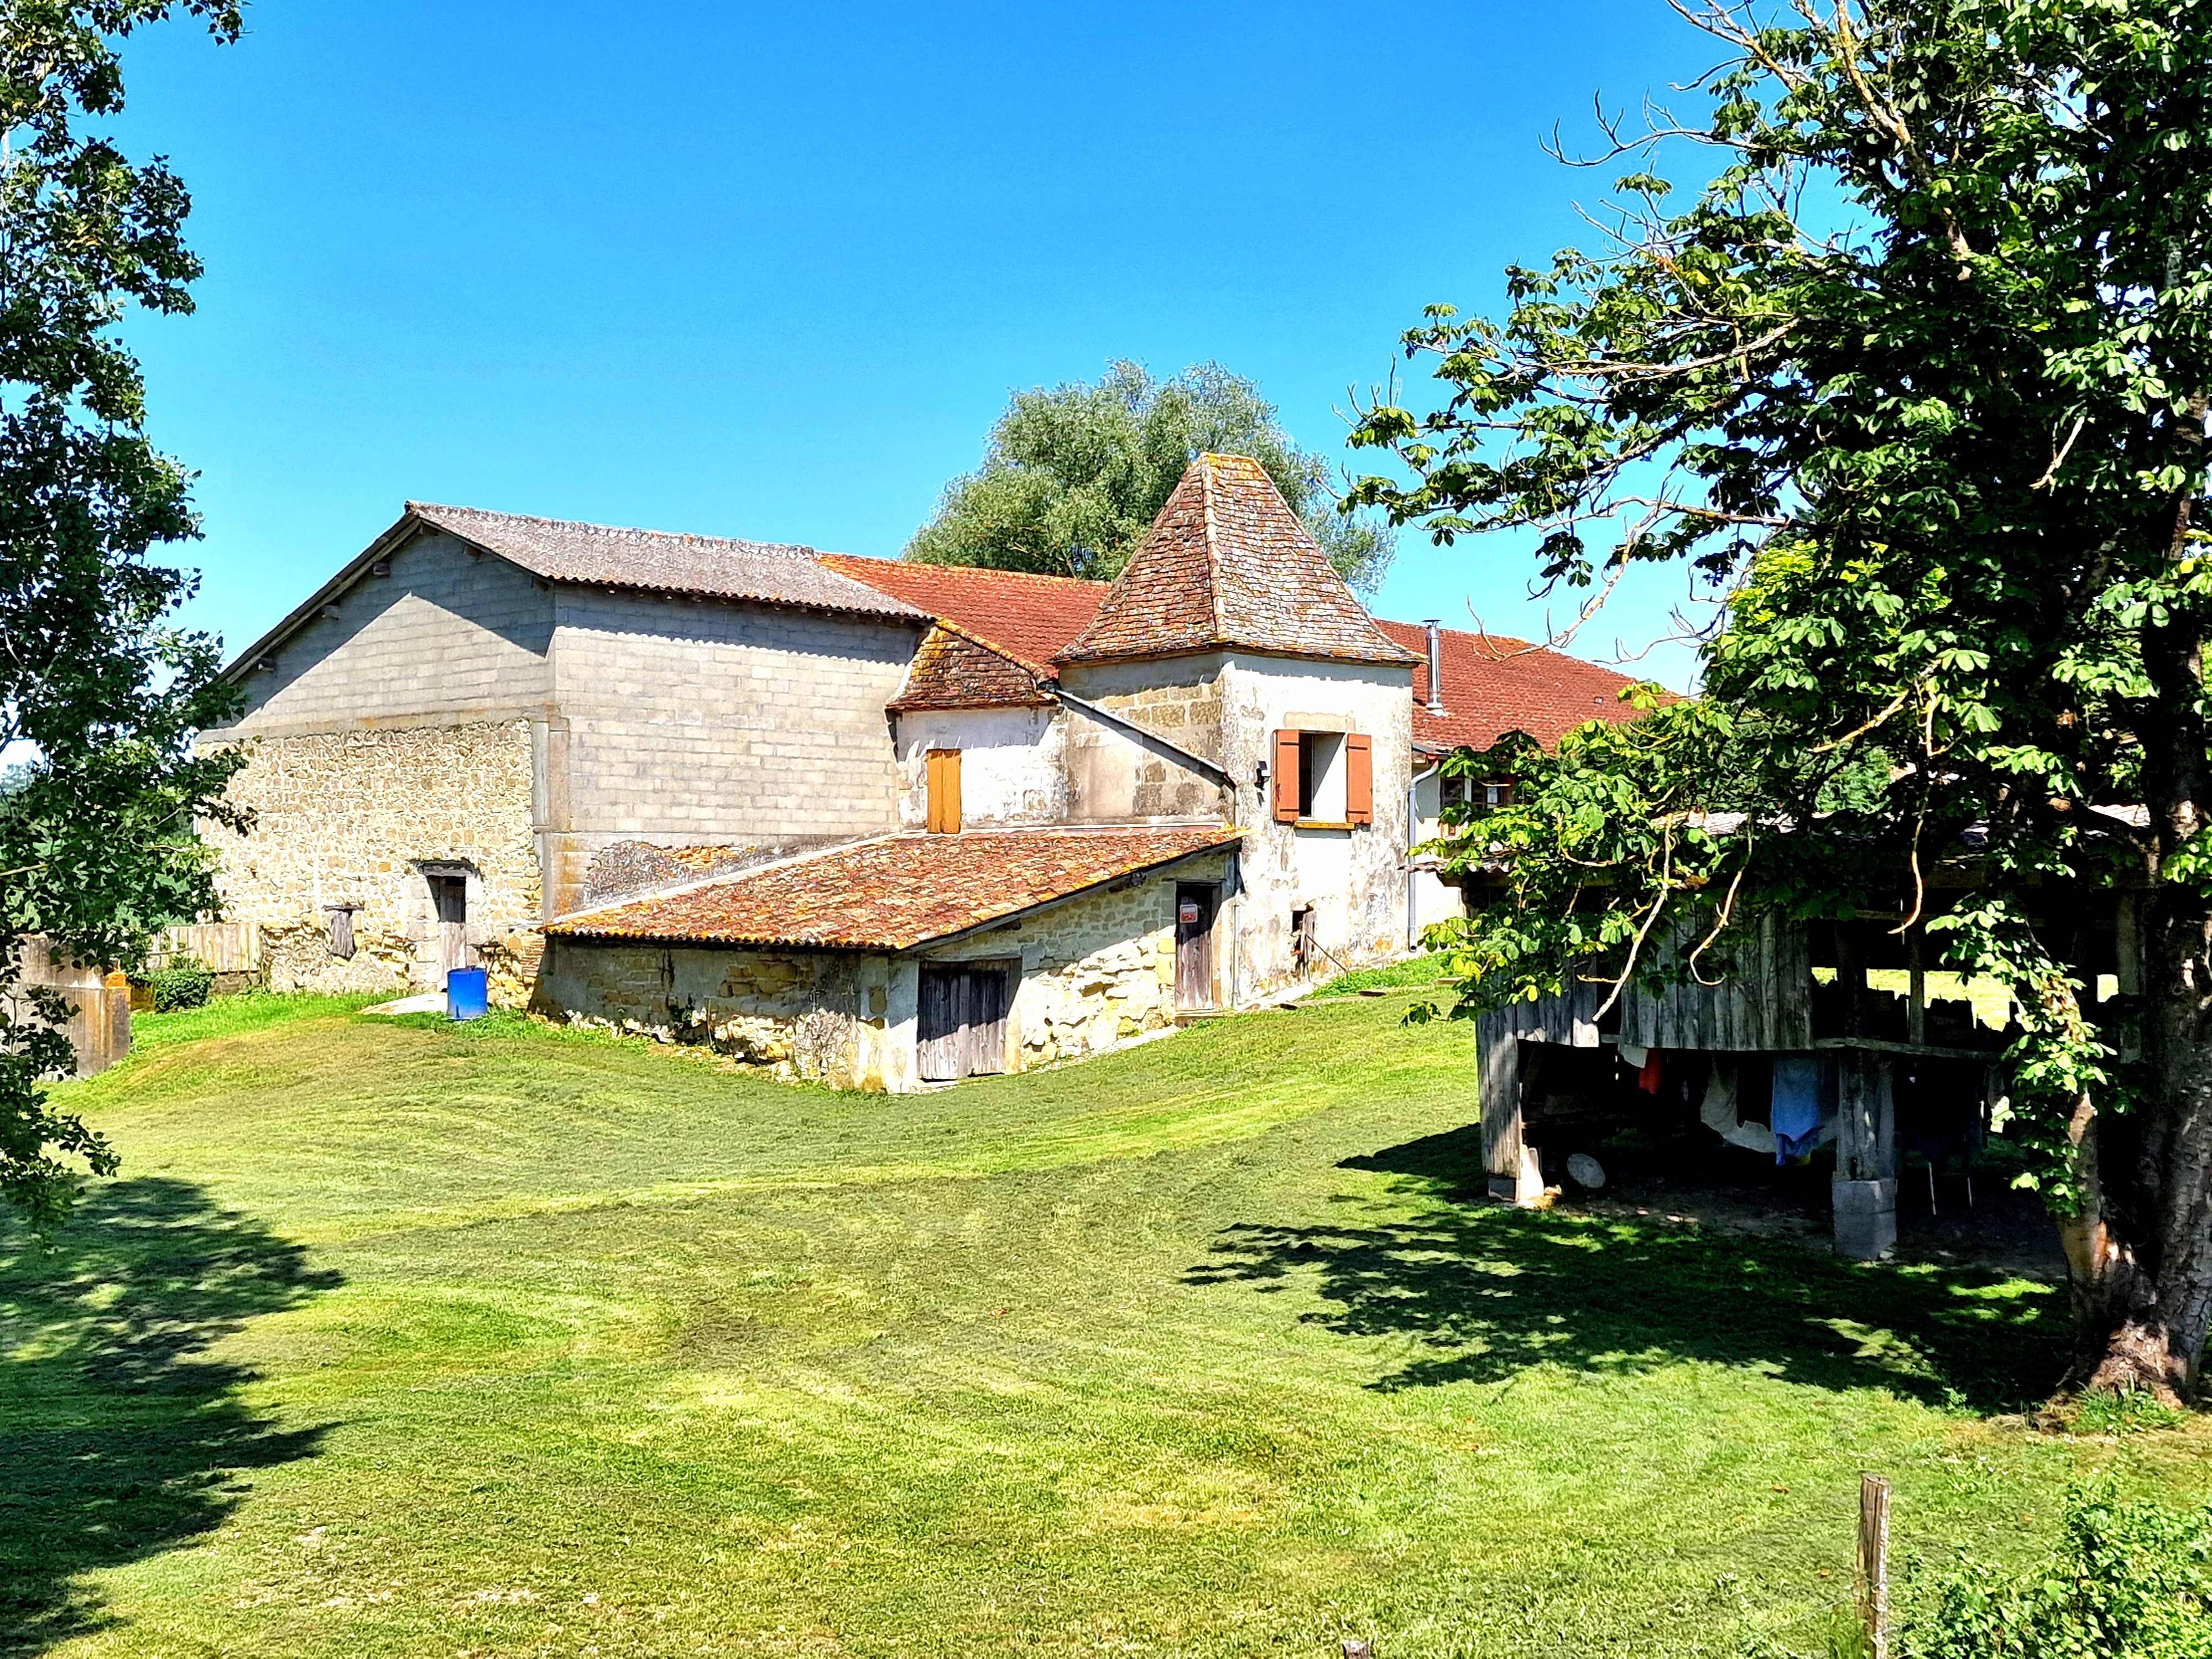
[(988, 996), (1196, 904), (450, 896), (961, 1020), (942, 1023)]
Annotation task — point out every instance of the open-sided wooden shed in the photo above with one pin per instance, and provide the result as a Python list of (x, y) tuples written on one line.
[(1766, 998)]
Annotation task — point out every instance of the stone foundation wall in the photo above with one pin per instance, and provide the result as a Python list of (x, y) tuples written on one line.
[(352, 817), (796, 1012)]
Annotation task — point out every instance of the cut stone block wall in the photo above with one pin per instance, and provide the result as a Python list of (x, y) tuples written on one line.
[(448, 637), (725, 722), (352, 817)]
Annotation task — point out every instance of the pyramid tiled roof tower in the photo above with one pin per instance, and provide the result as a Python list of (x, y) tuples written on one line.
[(1227, 565)]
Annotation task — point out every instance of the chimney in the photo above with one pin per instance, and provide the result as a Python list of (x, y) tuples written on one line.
[(1436, 702)]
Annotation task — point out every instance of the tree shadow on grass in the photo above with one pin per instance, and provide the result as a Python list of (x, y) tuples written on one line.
[(119, 1436), (1489, 1291)]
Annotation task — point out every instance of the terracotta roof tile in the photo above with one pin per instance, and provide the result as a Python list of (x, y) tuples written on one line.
[(897, 892), (661, 561), (1493, 685), (1028, 618), (1227, 563), (951, 671)]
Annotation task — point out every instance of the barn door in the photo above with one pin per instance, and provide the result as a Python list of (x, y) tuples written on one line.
[(1196, 903), (450, 894), (961, 1029)]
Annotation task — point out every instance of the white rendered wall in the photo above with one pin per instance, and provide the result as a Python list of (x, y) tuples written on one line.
[(1012, 765)]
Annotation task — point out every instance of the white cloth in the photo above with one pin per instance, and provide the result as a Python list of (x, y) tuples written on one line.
[(1717, 1112)]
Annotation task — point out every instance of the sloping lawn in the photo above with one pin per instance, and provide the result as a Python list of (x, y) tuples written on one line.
[(410, 1338)]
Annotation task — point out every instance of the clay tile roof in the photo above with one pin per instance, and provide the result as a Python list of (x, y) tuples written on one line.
[(951, 671), (1028, 618), (896, 891), (660, 561), (1493, 685), (1227, 563)]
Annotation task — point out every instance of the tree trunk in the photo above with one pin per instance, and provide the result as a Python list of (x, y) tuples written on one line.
[(2139, 1253)]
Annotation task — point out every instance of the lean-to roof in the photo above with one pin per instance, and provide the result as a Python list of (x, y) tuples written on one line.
[(897, 892)]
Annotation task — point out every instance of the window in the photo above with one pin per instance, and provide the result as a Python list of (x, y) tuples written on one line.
[(1304, 946), (1320, 775), (943, 779), (1483, 797), (1324, 778)]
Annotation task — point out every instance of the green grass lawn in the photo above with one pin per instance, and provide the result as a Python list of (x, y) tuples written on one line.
[(422, 1339)]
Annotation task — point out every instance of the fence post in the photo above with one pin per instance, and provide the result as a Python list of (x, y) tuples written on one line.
[(1873, 1564)]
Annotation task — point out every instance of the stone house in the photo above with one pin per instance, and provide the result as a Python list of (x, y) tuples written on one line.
[(883, 824)]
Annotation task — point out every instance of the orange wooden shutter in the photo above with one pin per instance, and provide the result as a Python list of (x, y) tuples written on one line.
[(944, 778), (1358, 778), (1286, 777)]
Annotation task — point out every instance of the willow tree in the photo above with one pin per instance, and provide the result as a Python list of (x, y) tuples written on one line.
[(99, 693), (1919, 384)]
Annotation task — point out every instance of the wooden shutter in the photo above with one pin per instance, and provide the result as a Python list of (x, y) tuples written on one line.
[(944, 779), (1358, 778), (1286, 777)]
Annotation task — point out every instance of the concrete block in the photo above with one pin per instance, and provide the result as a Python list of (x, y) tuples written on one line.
[(1866, 1218)]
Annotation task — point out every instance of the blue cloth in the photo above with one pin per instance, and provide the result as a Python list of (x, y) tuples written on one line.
[(1797, 1115)]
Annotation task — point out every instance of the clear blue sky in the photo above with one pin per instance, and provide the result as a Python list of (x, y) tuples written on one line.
[(771, 271)]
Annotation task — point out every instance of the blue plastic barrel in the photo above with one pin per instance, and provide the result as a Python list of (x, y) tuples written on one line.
[(465, 994)]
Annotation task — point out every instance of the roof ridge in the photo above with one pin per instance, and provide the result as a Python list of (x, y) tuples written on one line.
[(1484, 635), (783, 550), (979, 569), (1207, 462)]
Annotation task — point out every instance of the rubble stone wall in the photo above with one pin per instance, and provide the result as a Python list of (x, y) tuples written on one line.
[(796, 1011), (352, 818)]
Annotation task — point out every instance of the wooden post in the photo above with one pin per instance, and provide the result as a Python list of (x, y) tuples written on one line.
[(1500, 1062), (1873, 1564), (1915, 1018)]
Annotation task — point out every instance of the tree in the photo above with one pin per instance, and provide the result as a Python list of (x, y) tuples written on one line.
[(1074, 475), (99, 692), (1937, 447)]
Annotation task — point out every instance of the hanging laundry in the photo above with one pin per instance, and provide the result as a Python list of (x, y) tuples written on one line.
[(1797, 1116), (1720, 1112)]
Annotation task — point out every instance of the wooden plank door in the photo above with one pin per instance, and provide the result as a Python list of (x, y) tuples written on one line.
[(941, 1030), (450, 894), (988, 997), (961, 1028), (1196, 904)]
